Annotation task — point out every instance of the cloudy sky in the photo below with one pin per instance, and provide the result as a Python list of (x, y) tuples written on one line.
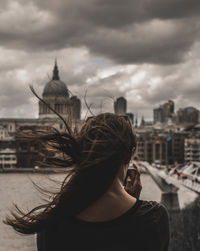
[(145, 50)]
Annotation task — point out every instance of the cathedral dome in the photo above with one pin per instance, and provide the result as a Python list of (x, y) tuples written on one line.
[(55, 87)]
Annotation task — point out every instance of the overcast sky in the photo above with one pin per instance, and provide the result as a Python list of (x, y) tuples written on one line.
[(145, 50)]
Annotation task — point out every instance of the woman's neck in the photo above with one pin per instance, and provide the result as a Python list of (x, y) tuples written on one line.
[(112, 204)]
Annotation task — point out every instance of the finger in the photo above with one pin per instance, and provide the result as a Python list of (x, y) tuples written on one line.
[(137, 188), (137, 174), (137, 180), (132, 174), (128, 183), (135, 166)]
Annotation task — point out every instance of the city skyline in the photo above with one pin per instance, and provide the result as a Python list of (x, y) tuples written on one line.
[(148, 57)]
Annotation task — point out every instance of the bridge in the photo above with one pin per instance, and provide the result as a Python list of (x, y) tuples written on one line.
[(170, 183), (188, 175)]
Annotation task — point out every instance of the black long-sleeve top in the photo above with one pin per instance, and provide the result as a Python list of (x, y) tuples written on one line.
[(145, 226)]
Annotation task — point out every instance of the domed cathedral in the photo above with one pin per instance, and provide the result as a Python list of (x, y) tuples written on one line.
[(56, 94)]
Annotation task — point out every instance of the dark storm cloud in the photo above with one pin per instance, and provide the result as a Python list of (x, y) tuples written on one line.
[(143, 44), (115, 13), (94, 41), (124, 31)]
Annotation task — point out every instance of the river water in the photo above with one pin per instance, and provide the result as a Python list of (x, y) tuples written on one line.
[(19, 189)]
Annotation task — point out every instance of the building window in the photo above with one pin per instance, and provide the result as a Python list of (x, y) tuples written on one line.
[(157, 152), (163, 151), (57, 107), (61, 108), (44, 109)]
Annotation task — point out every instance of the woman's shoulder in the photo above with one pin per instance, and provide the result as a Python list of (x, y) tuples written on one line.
[(151, 209), (153, 224)]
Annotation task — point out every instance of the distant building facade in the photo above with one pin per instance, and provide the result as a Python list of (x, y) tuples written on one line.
[(120, 106), (75, 108), (8, 158), (178, 139), (188, 116), (3, 132), (7, 130), (164, 112), (192, 149), (160, 147), (158, 115), (154, 148)]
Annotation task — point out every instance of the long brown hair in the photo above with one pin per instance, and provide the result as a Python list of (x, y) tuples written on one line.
[(95, 154)]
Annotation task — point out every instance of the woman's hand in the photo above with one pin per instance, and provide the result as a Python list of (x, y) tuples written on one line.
[(134, 187)]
